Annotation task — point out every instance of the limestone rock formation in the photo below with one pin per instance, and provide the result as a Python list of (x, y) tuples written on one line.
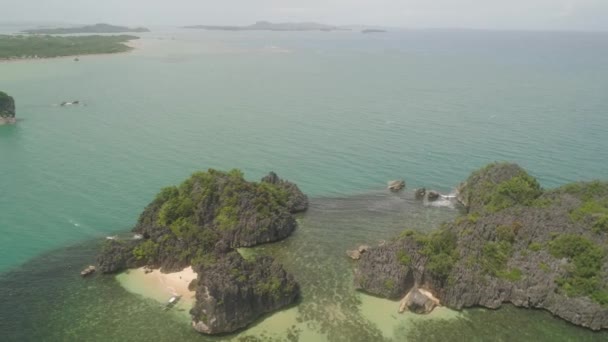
[(297, 202), (232, 292), (7, 109), (515, 243), (200, 223)]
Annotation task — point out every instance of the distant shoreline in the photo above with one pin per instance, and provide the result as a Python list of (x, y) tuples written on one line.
[(130, 44)]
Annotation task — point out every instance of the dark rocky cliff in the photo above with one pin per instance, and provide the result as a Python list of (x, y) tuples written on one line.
[(200, 223), (7, 108), (515, 243), (232, 292)]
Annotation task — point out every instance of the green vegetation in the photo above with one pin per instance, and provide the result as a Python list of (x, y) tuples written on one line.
[(207, 205), (389, 284), (522, 189), (535, 247), (18, 47), (496, 254), (594, 212), (586, 190), (543, 266), (147, 251), (499, 186), (97, 28), (584, 272), (404, 259), (271, 287), (440, 247)]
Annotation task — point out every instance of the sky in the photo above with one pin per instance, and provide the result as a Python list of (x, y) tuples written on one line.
[(587, 15)]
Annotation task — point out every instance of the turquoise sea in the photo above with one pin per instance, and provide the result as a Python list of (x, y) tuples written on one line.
[(338, 113)]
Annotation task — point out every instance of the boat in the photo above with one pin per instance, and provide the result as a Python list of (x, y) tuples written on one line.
[(87, 271), (172, 301)]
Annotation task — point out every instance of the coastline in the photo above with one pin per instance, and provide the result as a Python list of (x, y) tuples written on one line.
[(160, 286), (131, 44)]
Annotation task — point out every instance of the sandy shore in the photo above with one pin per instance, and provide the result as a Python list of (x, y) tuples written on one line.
[(159, 286), (133, 44)]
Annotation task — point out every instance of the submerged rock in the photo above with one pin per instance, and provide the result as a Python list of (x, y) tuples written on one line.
[(396, 185), (7, 109), (515, 244), (432, 196), (420, 193)]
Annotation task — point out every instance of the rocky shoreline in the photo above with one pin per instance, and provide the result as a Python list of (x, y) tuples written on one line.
[(514, 243), (7, 109), (201, 223)]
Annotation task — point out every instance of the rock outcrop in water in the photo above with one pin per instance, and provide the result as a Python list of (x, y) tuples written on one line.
[(233, 292), (514, 243), (200, 223), (7, 109), (396, 185)]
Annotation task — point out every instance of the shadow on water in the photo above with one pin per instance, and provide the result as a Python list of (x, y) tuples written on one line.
[(46, 299)]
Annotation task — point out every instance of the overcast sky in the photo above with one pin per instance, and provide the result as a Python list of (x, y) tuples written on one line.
[(492, 14)]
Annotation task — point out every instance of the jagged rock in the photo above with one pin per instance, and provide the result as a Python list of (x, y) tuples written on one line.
[(7, 109), (481, 189), (500, 251), (420, 193), (117, 255), (432, 196), (380, 272), (353, 254), (232, 293), (396, 185), (363, 248), (419, 302), (200, 223), (298, 202)]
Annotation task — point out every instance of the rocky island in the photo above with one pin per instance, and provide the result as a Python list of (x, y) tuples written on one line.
[(97, 28), (268, 26), (7, 109), (514, 243), (200, 223), (33, 47)]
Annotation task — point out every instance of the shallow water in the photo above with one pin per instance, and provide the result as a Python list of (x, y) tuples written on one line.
[(46, 299), (339, 114)]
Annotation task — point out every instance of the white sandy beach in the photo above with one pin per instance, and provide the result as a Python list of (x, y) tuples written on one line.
[(159, 286)]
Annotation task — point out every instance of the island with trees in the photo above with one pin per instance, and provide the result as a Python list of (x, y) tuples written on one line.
[(268, 26), (514, 243), (7, 109), (32, 47), (97, 28), (201, 223)]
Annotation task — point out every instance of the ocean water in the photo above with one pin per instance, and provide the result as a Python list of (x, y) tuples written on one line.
[(338, 113)]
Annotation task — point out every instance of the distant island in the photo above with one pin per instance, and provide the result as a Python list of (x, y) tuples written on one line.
[(32, 47), (7, 109), (200, 223), (268, 26), (373, 31), (514, 243), (97, 28)]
